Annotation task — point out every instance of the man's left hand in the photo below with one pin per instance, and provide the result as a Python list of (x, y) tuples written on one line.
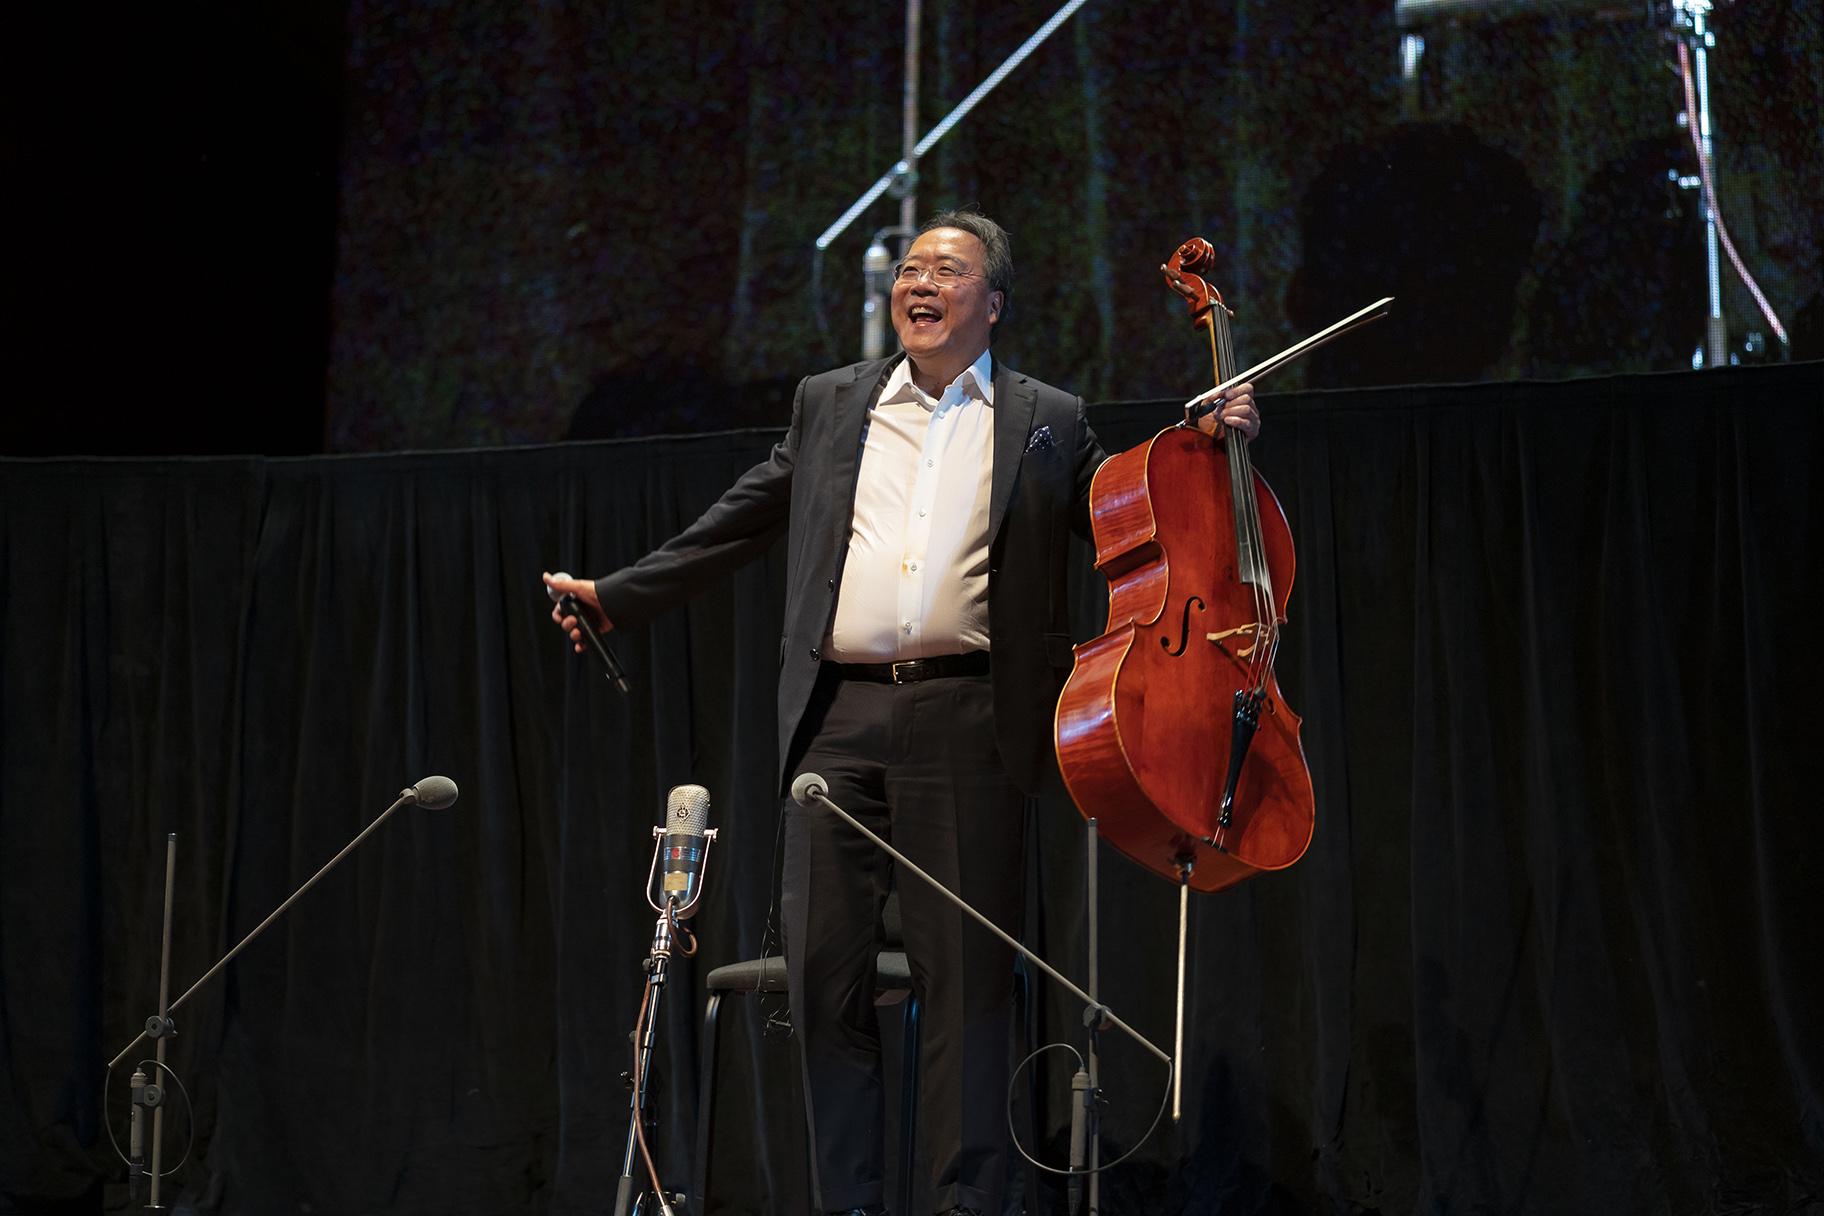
[(1237, 413)]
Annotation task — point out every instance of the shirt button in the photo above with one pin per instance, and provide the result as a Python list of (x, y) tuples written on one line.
[(912, 566), (930, 463), (921, 512), (907, 627)]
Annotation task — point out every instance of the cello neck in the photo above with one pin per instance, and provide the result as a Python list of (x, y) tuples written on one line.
[(1184, 272), (1250, 555)]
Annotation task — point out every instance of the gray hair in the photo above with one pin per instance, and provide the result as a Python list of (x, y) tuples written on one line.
[(999, 264)]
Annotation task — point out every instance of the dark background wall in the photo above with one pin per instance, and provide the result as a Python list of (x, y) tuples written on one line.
[(172, 193), (371, 224)]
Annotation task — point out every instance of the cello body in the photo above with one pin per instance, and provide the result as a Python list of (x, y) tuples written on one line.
[(1146, 723)]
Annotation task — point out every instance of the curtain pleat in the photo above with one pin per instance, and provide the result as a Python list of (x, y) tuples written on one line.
[(1552, 948)]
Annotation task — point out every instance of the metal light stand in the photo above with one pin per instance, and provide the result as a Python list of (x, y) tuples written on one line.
[(878, 260), (902, 178), (656, 966), (1690, 20)]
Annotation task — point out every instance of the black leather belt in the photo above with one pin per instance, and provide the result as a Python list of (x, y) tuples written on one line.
[(910, 671)]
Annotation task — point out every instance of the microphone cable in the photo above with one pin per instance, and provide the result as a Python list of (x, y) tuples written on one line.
[(775, 1013), (687, 941), (1710, 199), (639, 1112), (107, 1079), (1013, 1080)]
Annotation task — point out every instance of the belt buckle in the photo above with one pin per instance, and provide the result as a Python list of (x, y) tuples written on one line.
[(912, 666)]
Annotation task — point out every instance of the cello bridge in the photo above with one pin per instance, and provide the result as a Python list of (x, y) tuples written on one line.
[(1251, 630)]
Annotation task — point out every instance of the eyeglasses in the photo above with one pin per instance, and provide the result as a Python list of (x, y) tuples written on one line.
[(944, 274)]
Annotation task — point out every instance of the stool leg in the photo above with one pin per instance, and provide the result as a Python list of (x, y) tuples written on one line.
[(1029, 1016), (908, 1115), (706, 1106)]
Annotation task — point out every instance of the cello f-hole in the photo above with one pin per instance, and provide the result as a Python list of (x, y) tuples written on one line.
[(1184, 629)]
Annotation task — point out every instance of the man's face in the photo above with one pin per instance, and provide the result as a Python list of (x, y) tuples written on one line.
[(943, 322)]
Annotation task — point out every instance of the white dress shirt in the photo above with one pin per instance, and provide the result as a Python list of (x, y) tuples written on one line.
[(915, 583)]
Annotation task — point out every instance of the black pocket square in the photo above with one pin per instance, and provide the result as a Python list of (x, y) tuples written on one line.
[(1040, 440)]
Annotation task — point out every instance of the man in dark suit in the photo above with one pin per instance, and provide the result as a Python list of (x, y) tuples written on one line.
[(926, 503)]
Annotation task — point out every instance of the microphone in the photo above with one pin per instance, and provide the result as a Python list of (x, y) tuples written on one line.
[(1081, 1095), (432, 793), (573, 607), (686, 817), (876, 269), (136, 1137), (808, 788)]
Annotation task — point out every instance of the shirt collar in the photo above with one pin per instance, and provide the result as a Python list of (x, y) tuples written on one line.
[(975, 381)]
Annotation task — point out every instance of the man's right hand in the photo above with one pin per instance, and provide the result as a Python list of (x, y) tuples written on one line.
[(557, 586)]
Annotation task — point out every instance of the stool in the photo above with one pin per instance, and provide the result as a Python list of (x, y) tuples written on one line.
[(892, 982)]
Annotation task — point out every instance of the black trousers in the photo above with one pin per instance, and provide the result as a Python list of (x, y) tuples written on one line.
[(918, 764)]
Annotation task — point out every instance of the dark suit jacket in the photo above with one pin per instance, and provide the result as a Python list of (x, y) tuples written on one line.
[(1044, 457)]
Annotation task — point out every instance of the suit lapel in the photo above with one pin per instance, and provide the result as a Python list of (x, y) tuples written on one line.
[(1015, 399)]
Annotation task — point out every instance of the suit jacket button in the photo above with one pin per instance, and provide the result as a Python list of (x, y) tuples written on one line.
[(831, 583), (816, 654)]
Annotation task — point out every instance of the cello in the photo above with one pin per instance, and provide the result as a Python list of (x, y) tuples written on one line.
[(1171, 731)]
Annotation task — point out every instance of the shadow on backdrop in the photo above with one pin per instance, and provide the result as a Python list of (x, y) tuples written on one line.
[(1440, 221), (1646, 308)]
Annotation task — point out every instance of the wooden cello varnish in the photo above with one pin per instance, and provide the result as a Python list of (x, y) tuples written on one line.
[(1147, 724)]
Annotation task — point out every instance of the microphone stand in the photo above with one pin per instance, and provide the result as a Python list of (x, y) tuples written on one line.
[(1085, 1086), (1690, 21), (149, 1094), (1085, 1095), (657, 967), (818, 792), (876, 285)]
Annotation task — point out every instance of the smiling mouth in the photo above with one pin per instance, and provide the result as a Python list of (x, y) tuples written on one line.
[(918, 314)]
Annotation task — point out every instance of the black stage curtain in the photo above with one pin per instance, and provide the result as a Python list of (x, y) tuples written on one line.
[(1553, 948)]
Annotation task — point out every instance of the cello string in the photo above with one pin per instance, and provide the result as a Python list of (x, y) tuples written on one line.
[(1258, 575), (1222, 354), (1250, 540), (1222, 357)]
